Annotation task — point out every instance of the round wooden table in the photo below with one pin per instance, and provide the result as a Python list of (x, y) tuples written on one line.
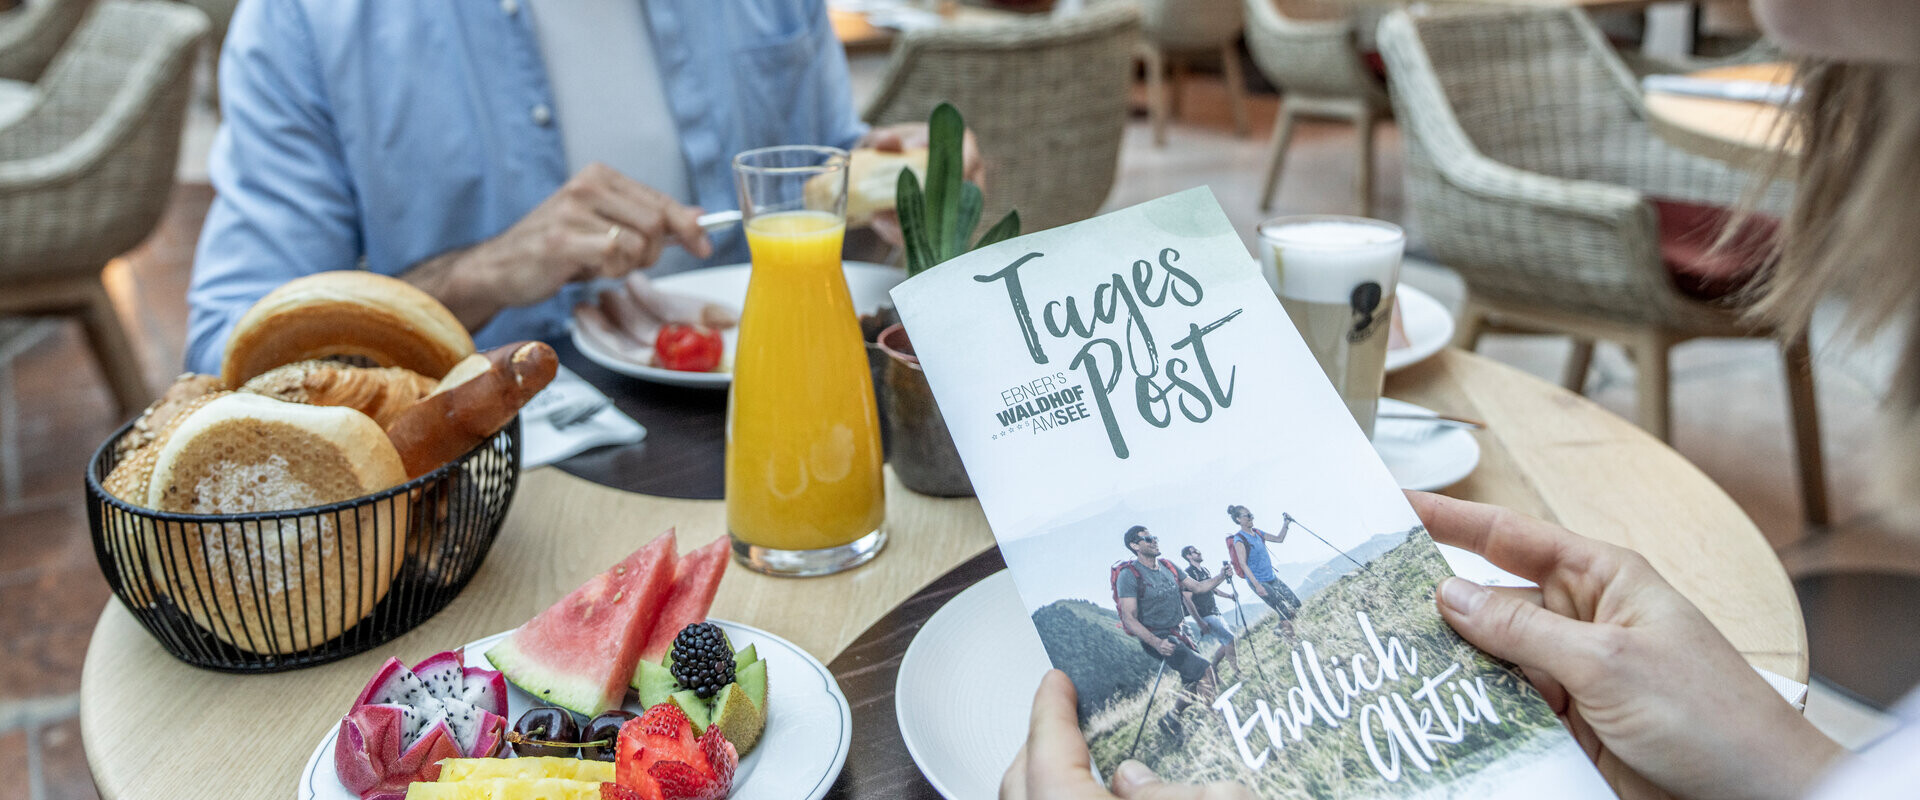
[(1742, 133), (156, 728)]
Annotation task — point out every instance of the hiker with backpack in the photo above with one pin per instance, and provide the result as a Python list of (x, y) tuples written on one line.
[(1151, 595), (1252, 561), (1205, 610)]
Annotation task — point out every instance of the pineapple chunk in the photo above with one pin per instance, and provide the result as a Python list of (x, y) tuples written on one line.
[(573, 769), (506, 789)]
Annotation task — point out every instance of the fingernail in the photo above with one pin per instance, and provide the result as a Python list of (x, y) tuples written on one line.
[(1463, 596), (1132, 773)]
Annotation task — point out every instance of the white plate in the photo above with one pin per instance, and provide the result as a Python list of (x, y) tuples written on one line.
[(979, 643), (809, 726), (1423, 456), (867, 283), (1427, 324)]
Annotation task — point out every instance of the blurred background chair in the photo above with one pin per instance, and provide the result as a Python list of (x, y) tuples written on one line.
[(1177, 30), (1313, 52), (31, 34), (1531, 170), (1047, 101), (86, 173)]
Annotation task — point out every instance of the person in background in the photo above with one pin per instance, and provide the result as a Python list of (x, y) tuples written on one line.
[(1663, 703), (1250, 557), (497, 154), (1206, 612)]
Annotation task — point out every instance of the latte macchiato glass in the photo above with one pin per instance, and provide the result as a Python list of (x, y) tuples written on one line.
[(1336, 277)]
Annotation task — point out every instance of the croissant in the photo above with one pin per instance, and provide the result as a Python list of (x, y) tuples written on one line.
[(382, 393)]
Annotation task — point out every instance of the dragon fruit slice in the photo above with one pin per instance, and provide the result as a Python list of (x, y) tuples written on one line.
[(407, 720)]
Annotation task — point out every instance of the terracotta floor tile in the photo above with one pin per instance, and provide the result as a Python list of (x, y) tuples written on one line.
[(64, 763), (13, 765), (47, 614), (64, 412)]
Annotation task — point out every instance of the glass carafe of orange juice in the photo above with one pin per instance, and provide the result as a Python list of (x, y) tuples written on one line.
[(805, 494)]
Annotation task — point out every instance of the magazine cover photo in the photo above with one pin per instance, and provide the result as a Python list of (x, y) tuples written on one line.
[(1282, 634)]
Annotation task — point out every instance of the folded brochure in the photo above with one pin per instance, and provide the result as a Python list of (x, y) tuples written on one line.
[(1138, 417)]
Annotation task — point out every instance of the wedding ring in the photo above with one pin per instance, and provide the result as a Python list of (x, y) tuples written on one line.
[(613, 237)]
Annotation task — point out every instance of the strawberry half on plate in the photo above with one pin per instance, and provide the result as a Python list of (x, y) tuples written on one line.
[(659, 758)]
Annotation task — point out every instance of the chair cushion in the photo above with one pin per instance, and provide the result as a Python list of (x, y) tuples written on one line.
[(1688, 232)]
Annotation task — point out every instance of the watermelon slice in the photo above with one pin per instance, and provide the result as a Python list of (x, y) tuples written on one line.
[(695, 581), (580, 653)]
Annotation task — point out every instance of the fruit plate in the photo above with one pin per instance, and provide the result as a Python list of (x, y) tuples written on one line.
[(809, 726), (867, 283)]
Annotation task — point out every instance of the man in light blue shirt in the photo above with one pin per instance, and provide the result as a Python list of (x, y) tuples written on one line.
[(423, 138)]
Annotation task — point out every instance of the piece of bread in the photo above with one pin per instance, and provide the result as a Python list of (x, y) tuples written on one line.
[(276, 586), (872, 180), (379, 392), (345, 313), (185, 389), (132, 474), (476, 398)]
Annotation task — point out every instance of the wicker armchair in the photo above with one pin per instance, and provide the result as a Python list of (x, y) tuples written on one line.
[(1317, 65), (1529, 169), (1177, 29), (31, 34), (1047, 101), (86, 174)]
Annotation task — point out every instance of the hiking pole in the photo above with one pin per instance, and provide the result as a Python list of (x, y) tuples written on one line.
[(1145, 712), (1246, 631), (1303, 526)]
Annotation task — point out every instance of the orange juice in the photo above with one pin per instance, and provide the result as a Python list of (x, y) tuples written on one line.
[(803, 432)]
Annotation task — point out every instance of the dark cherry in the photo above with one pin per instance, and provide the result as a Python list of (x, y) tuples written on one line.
[(605, 727), (545, 724)]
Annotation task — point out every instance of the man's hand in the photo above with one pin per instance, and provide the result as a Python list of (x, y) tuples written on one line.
[(898, 138), (599, 224), (1659, 700), (1164, 647), (1258, 589), (1054, 763)]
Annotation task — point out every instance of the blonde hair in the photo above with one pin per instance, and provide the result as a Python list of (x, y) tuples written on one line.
[(1855, 230)]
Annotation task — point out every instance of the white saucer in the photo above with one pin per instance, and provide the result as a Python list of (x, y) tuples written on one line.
[(809, 726), (965, 686), (867, 283), (1427, 324), (1423, 456)]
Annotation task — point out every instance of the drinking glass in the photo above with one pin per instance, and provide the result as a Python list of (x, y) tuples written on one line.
[(1335, 276), (804, 488)]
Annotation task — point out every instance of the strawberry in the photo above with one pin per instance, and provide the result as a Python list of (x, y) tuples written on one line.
[(659, 758), (614, 791)]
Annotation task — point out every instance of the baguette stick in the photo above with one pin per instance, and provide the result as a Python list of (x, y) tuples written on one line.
[(476, 398)]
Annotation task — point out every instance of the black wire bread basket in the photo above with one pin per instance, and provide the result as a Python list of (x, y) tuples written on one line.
[(275, 591)]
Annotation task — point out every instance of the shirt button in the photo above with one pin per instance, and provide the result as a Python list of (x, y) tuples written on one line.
[(542, 115), (510, 7)]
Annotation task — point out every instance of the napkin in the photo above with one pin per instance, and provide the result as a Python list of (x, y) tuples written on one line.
[(570, 417)]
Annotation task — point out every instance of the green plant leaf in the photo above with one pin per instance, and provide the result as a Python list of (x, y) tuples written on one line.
[(1007, 228), (910, 207), (971, 202), (946, 135)]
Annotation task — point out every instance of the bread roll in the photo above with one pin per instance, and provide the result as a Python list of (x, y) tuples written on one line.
[(379, 392), (276, 586), (873, 177), (184, 391), (476, 398), (345, 313)]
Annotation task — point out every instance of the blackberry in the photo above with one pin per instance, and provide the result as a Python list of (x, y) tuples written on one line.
[(702, 659)]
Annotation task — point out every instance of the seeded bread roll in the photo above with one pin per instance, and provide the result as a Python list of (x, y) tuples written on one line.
[(184, 391), (346, 313), (276, 586), (379, 392)]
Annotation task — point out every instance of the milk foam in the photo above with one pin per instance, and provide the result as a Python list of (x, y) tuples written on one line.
[(1321, 261)]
